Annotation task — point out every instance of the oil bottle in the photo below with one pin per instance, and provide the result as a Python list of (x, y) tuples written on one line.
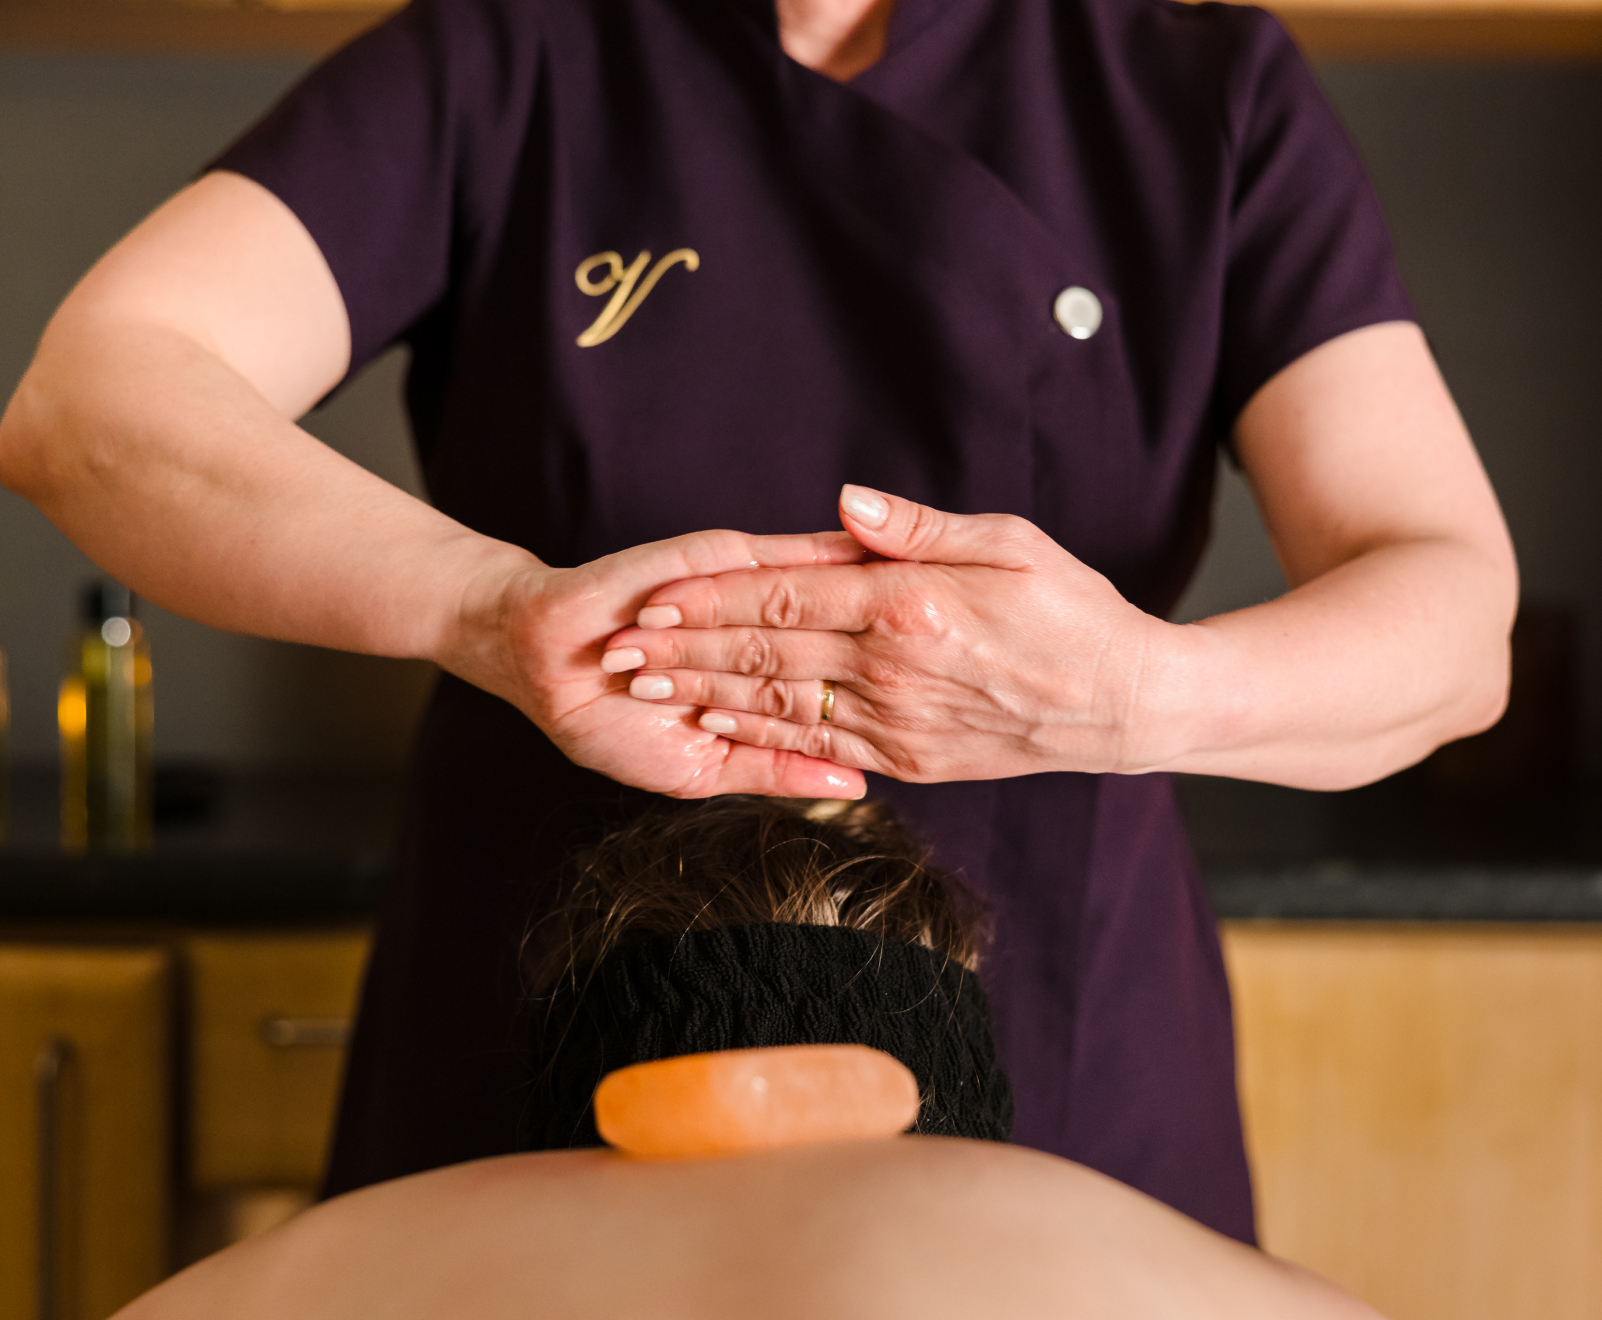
[(106, 719)]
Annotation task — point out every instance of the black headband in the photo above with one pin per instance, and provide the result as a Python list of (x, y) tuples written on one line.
[(743, 987)]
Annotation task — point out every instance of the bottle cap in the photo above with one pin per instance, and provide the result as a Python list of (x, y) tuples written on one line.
[(107, 600)]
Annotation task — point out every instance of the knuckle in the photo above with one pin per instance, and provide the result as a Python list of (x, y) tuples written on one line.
[(888, 678), (707, 554), (1013, 533), (781, 603), (817, 740), (753, 653), (907, 766), (704, 551), (912, 615), (774, 697), (925, 529), (663, 651)]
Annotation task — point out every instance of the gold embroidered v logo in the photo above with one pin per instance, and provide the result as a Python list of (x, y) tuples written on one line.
[(628, 290)]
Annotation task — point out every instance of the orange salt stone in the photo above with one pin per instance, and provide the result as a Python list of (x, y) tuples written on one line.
[(733, 1101)]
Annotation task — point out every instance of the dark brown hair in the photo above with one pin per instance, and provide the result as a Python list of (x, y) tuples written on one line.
[(741, 861)]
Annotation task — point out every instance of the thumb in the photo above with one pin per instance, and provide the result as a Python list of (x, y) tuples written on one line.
[(899, 529)]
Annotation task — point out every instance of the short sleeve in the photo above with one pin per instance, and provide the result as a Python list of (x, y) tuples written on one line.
[(393, 153), (1310, 256)]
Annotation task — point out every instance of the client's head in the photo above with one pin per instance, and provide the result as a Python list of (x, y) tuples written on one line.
[(750, 922)]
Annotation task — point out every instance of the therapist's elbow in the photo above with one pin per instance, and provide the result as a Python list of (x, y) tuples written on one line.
[(26, 466), (1470, 701), (1472, 669), (53, 430), (1471, 704), (1487, 677), (1483, 701)]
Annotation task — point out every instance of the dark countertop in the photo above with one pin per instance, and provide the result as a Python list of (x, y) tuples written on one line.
[(252, 849), (316, 848), (1399, 850)]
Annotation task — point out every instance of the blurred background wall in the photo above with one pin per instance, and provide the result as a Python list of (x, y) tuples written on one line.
[(1491, 176)]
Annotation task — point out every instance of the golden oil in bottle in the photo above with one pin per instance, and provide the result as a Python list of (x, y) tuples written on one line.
[(106, 718)]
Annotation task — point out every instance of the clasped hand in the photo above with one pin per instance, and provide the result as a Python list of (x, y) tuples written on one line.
[(534, 635), (975, 648)]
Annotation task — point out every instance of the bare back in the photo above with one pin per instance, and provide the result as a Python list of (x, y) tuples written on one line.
[(915, 1227)]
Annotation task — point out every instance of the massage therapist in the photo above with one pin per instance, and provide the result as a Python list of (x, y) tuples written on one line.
[(985, 283)]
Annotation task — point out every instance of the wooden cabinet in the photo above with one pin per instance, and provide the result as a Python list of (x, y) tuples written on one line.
[(86, 1122), (159, 1100), (269, 1015), (1423, 1108)]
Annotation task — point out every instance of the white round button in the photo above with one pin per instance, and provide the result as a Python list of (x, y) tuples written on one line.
[(1078, 312)]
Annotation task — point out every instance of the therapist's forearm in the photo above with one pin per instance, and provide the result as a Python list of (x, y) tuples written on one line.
[(155, 428), (1395, 638), (182, 478), (178, 477), (1354, 675)]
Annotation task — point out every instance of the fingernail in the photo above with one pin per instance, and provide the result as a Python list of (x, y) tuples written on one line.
[(625, 657), (651, 688), (864, 506), (841, 782), (659, 616), (712, 722)]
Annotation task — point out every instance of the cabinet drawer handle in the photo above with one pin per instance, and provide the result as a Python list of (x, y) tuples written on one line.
[(296, 1032), (49, 1073)]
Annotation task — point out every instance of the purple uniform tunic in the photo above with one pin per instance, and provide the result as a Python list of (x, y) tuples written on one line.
[(878, 264)]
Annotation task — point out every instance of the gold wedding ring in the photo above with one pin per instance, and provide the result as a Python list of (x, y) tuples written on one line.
[(826, 710)]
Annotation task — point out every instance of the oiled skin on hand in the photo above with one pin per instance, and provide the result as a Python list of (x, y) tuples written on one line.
[(931, 1228)]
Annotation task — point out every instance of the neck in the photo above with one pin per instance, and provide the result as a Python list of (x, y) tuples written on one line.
[(838, 38)]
